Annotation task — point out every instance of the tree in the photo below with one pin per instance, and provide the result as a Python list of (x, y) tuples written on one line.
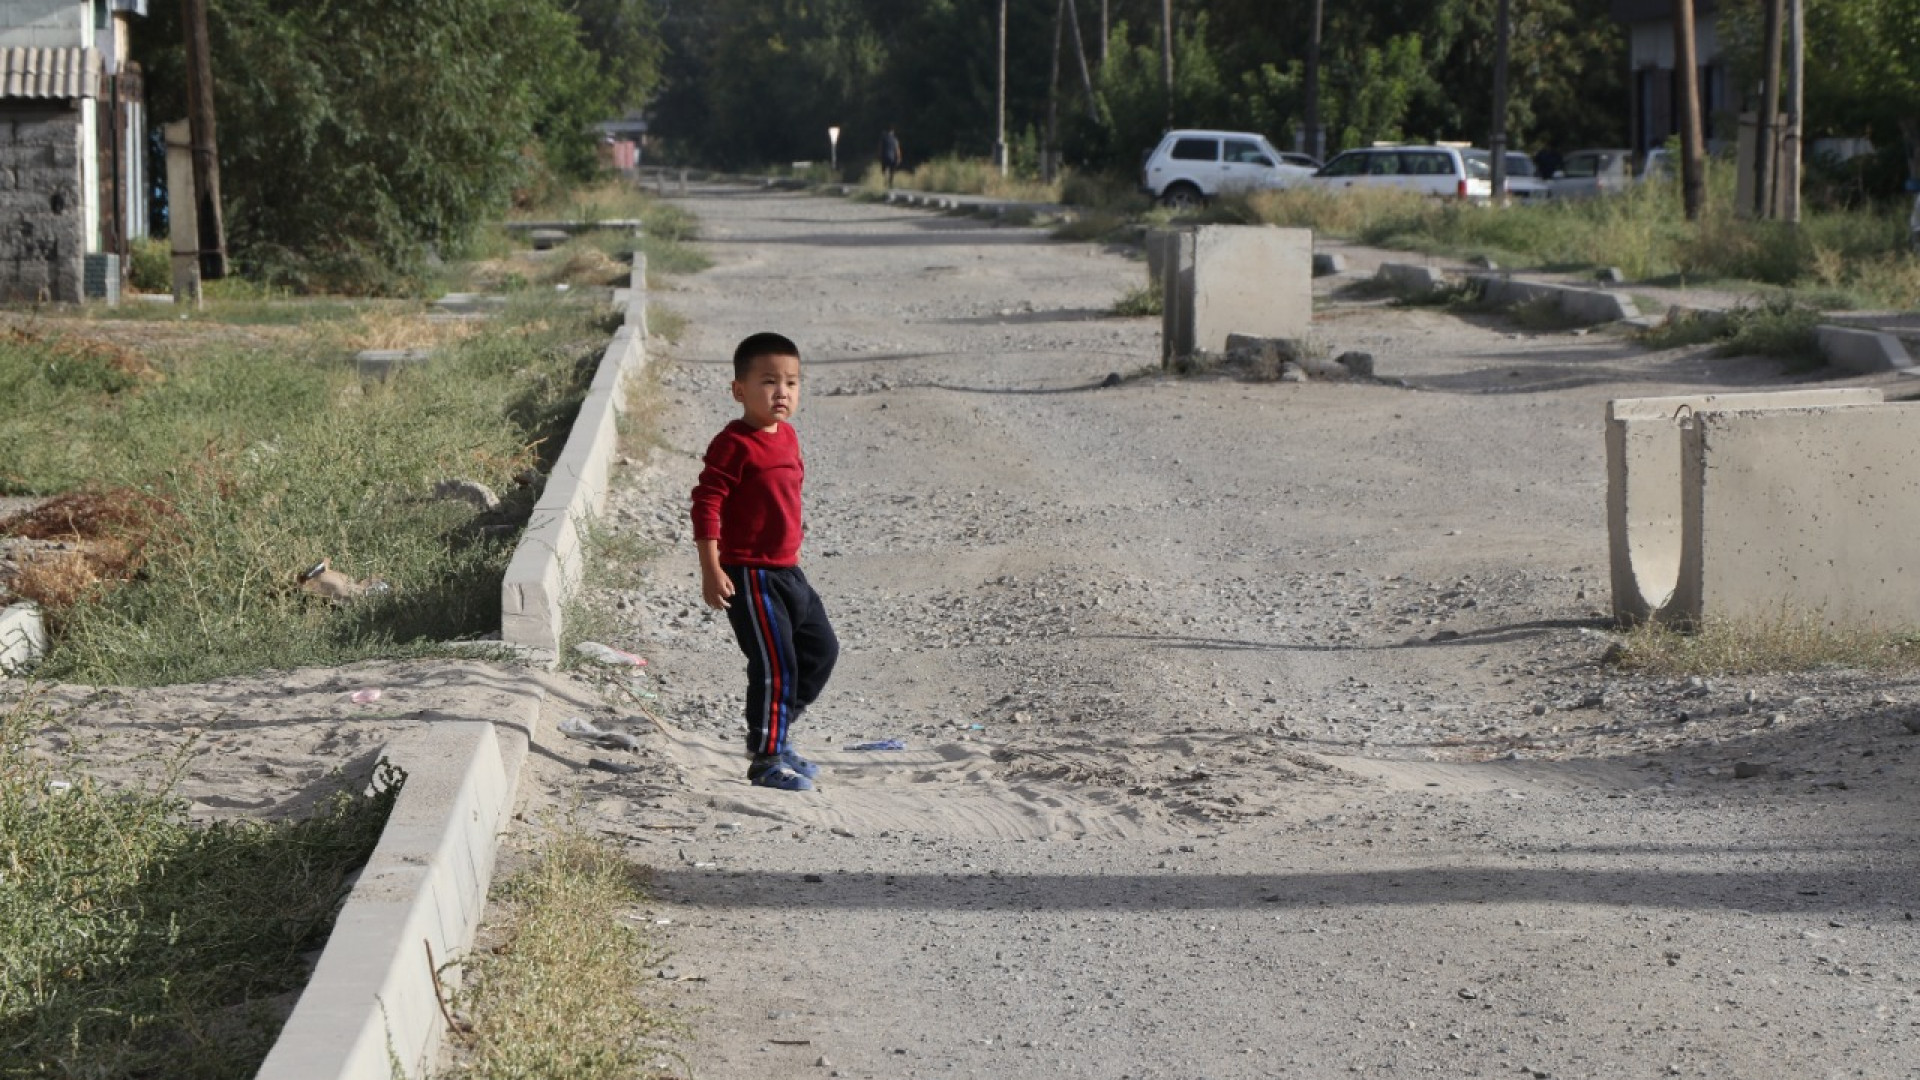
[(354, 134)]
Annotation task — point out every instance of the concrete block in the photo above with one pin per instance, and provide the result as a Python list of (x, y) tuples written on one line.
[(1411, 279), (1807, 511), (23, 637), (1865, 351), (1328, 263), (382, 363), (1647, 479), (547, 239), (1250, 280), (470, 303)]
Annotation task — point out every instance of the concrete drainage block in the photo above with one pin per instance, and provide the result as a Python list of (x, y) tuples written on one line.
[(23, 637)]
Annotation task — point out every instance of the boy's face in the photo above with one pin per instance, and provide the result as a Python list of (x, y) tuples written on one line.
[(769, 391)]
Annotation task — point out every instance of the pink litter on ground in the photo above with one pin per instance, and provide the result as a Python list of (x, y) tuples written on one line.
[(367, 696)]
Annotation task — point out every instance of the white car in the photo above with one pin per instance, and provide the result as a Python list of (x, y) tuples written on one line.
[(1586, 173), (1523, 182), (1447, 172), (1191, 166)]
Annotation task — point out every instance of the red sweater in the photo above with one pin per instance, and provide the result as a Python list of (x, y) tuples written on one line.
[(748, 497)]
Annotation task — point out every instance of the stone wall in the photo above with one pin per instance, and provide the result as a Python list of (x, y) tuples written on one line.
[(42, 211)]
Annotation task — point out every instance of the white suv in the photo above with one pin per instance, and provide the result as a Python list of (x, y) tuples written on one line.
[(1190, 167), (1440, 171)]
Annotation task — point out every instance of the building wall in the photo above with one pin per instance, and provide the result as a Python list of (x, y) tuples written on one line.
[(46, 24), (43, 211)]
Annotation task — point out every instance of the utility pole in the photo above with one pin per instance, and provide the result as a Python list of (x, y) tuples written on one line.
[(1497, 141), (1080, 57), (212, 237), (1000, 107), (1048, 168), (1766, 170), (1316, 138), (1166, 53), (1789, 200), (1693, 164)]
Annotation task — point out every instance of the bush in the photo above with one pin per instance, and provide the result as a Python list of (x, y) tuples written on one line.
[(150, 265)]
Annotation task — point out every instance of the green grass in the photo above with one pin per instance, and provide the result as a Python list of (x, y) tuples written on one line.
[(267, 460), (1138, 302), (133, 943), (1781, 326), (558, 997), (1783, 642), (1835, 258)]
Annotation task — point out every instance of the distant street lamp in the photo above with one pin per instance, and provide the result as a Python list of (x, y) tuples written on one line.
[(833, 148)]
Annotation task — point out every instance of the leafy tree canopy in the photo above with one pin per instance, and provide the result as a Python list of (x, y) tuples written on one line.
[(355, 134)]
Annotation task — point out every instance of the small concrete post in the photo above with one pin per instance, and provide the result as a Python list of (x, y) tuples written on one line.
[(183, 221)]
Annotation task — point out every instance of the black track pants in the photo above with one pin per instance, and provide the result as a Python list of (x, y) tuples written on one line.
[(782, 628)]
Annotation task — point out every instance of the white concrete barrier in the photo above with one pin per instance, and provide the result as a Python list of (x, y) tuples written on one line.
[(547, 564), (1668, 514), (372, 1009)]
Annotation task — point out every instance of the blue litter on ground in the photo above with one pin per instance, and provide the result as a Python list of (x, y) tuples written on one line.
[(881, 744)]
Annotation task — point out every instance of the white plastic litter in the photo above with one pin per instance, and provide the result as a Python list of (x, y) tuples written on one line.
[(607, 654), (579, 727)]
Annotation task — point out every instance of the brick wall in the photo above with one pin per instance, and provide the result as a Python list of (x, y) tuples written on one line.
[(42, 213)]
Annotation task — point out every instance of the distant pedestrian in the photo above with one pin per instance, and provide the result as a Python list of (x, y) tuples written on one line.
[(890, 156)]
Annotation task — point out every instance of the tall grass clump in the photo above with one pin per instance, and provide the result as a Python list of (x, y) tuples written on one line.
[(134, 943), (1785, 641), (964, 176), (262, 463), (558, 997), (1852, 255)]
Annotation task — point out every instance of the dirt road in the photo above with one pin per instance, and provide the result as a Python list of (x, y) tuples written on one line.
[(1251, 730)]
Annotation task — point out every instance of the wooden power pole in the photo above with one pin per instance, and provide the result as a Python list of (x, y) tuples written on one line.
[(1166, 53), (1766, 202), (1686, 71), (1497, 139), (206, 157)]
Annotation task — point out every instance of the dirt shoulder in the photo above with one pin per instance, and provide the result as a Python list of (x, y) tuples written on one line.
[(1251, 730)]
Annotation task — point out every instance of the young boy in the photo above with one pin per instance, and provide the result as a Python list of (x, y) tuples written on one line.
[(746, 521)]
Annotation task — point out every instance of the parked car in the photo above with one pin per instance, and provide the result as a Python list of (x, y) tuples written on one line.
[(1440, 171), (1190, 166), (1523, 181), (1586, 173)]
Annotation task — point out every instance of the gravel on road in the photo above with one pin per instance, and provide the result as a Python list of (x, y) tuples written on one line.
[(1250, 729)]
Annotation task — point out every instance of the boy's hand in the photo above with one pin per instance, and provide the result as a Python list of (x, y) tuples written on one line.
[(716, 589)]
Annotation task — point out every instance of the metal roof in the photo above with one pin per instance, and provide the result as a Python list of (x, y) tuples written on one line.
[(49, 74)]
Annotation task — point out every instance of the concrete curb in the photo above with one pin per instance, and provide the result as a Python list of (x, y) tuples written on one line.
[(546, 566), (1583, 305), (1864, 351), (1412, 279), (372, 1009)]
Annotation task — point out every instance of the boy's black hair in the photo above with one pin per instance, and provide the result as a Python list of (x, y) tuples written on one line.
[(765, 343)]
